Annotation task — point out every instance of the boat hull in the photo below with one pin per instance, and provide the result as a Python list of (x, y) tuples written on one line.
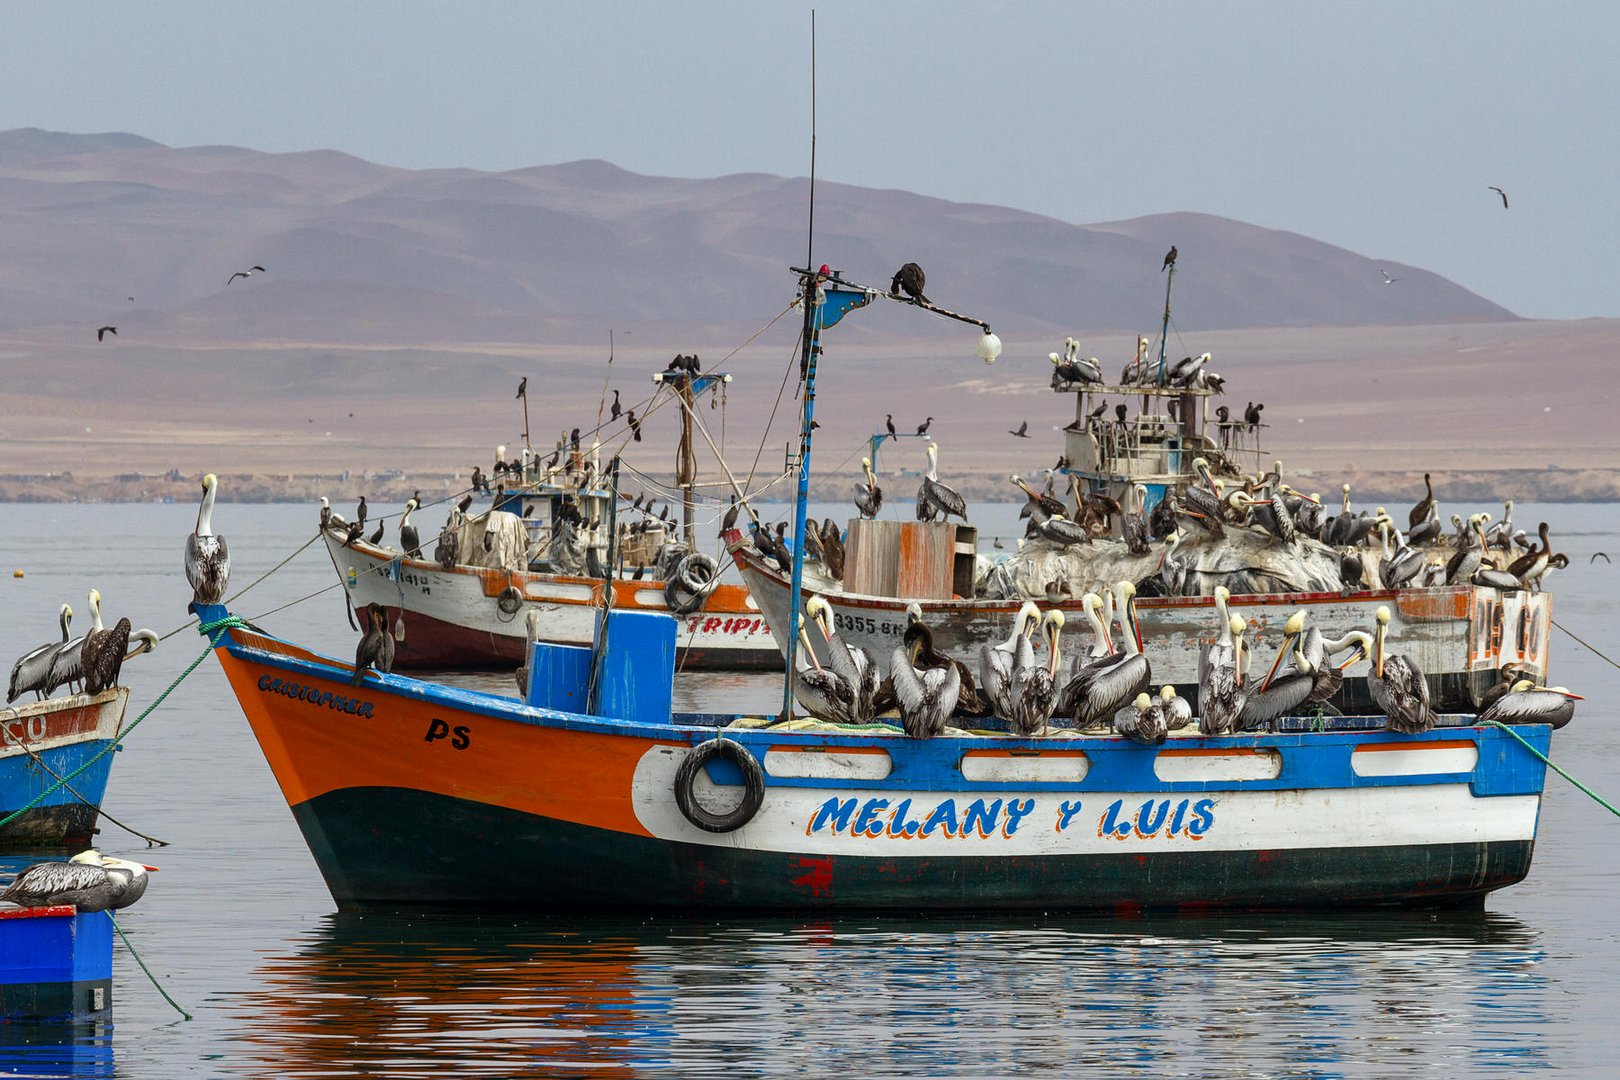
[(55, 964), (453, 619), (42, 741), (1459, 636), (411, 794)]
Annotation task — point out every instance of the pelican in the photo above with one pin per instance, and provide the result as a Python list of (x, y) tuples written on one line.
[(532, 637), (1221, 694), (1177, 711), (1102, 650), (376, 648), (1099, 691), (34, 666), (1506, 680), (820, 691), (997, 663), (1046, 504), (1397, 685), (1142, 721), (1525, 704), (917, 632), (1426, 508), (1501, 533), (103, 655), (67, 664), (1461, 566), (1341, 529), (409, 542), (934, 497), (1400, 567), (208, 561), (1320, 652), (1059, 530), (1133, 525), (1281, 694), (849, 662), (1270, 514), (868, 496), (927, 696), (1533, 563), (1074, 369), (1034, 686), (90, 881)]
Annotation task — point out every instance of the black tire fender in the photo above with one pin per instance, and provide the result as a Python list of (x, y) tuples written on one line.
[(753, 785), (691, 582), (510, 601)]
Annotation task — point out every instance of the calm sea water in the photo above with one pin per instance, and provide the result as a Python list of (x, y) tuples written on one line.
[(241, 931)]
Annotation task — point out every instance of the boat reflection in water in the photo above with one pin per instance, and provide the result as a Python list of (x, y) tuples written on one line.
[(1386, 991)]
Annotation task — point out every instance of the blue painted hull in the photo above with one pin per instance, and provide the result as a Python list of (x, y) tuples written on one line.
[(43, 744), (55, 965)]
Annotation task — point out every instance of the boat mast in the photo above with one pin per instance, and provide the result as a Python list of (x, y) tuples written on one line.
[(1164, 328), (686, 461)]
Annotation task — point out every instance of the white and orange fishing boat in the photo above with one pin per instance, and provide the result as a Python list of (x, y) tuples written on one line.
[(539, 546)]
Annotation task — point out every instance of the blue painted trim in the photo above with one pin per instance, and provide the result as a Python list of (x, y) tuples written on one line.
[(21, 780)]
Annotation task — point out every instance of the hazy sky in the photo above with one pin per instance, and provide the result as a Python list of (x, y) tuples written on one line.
[(1374, 126)]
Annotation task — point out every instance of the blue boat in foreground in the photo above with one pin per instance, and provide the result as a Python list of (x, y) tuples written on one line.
[(40, 744), (55, 964)]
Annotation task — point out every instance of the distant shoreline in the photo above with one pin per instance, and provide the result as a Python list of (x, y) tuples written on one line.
[(1395, 487)]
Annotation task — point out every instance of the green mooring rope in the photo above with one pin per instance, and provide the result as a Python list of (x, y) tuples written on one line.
[(1547, 761), (144, 968), (218, 630)]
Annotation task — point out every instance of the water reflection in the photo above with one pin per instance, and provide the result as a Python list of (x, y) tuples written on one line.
[(79, 1050), (415, 996)]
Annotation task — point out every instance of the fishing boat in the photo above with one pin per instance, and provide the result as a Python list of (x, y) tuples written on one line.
[(548, 527), (40, 744), (55, 964), (589, 792), (1152, 448)]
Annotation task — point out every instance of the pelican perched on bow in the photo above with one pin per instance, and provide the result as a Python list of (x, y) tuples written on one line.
[(1034, 686), (67, 664), (33, 668), (999, 662), (849, 662), (1221, 693), (1282, 691), (410, 541), (1099, 691), (1320, 651), (927, 696), (1102, 651), (1397, 685), (1525, 704), (918, 634), (90, 881), (868, 496), (208, 560), (1426, 508), (934, 498), (1461, 566)]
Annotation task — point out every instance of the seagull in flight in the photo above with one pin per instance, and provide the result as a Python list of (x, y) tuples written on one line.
[(1387, 279), (104, 331), (1502, 193), (245, 273)]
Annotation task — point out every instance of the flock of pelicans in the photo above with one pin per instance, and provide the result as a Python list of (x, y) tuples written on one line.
[(1110, 684)]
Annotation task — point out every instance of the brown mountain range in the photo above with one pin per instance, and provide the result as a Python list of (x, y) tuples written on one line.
[(415, 300)]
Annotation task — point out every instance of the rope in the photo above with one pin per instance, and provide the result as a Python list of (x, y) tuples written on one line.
[(206, 628), (1582, 641), (230, 599), (1545, 760), (142, 963), (33, 755)]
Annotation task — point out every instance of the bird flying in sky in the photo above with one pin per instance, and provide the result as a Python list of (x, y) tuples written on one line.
[(1502, 193), (104, 331)]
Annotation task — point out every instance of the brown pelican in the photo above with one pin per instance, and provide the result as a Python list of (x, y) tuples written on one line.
[(1401, 567), (933, 497), (998, 662), (1102, 650), (409, 541), (1426, 508), (911, 279), (1034, 686), (33, 668), (1059, 530), (1074, 369), (103, 655), (1533, 563), (376, 648), (1037, 501), (1492, 578), (1397, 685), (832, 548), (1281, 694), (821, 692), (1525, 704), (926, 693), (532, 637), (1221, 693), (208, 560), (1133, 523), (1142, 721), (1320, 652), (1177, 710), (67, 665), (1461, 566), (968, 700), (849, 662), (1098, 691), (1500, 534), (90, 881), (1507, 678), (868, 496), (1270, 514)]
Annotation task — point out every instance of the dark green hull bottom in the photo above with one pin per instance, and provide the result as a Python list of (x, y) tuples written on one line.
[(384, 848)]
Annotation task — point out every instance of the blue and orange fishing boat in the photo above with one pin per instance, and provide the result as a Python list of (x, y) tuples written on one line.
[(590, 792), (43, 742)]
